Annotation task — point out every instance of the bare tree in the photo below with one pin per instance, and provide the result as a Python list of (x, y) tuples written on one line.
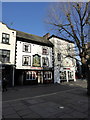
[(71, 22)]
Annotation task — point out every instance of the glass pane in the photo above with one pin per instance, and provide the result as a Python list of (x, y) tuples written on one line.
[(33, 75), (7, 36), (3, 35), (27, 75), (3, 40), (30, 76), (7, 40)]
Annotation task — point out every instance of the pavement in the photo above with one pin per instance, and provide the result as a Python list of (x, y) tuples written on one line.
[(64, 100)]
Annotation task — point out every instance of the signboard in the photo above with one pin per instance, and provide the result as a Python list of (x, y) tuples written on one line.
[(36, 68), (36, 60)]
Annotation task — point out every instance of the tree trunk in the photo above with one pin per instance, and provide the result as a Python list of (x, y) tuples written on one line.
[(88, 77)]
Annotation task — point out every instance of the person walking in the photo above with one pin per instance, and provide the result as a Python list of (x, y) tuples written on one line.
[(4, 84)]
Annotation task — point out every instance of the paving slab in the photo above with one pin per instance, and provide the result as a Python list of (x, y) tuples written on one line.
[(52, 101)]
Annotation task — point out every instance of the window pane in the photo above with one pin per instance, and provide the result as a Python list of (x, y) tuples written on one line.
[(27, 75), (26, 60), (45, 61), (3, 35), (4, 56), (30, 76), (26, 47), (5, 38)]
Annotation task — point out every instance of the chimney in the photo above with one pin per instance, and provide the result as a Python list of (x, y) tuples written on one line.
[(47, 35)]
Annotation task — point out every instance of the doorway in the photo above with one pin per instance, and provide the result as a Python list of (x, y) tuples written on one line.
[(40, 77)]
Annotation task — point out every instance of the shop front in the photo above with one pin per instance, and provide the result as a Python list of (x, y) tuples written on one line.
[(30, 77), (67, 73)]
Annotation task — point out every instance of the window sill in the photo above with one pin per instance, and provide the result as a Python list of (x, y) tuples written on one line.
[(26, 65), (5, 43), (26, 51)]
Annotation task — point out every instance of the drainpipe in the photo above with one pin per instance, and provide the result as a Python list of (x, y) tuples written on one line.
[(13, 76)]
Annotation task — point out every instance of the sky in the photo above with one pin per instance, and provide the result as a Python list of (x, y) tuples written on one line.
[(26, 16)]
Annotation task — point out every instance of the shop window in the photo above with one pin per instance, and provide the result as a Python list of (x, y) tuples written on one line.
[(5, 38), (26, 60), (26, 47), (70, 75), (5, 56), (44, 51), (63, 75), (45, 62), (48, 75), (31, 75), (36, 60), (59, 56)]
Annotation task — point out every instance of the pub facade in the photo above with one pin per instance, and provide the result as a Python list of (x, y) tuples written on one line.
[(34, 59)]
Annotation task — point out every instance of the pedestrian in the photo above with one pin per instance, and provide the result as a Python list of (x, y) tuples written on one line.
[(4, 84)]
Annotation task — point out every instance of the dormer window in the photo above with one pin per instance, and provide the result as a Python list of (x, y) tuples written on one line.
[(26, 47), (5, 38)]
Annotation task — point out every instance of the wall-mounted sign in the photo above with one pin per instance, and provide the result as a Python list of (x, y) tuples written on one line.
[(36, 60), (36, 68)]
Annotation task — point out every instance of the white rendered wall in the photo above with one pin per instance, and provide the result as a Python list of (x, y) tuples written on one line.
[(60, 46), (12, 41), (35, 49)]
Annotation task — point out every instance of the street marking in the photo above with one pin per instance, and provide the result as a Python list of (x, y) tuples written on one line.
[(39, 95)]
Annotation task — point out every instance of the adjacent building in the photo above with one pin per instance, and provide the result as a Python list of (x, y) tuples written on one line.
[(7, 53), (64, 62)]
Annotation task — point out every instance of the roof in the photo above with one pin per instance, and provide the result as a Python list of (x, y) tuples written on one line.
[(26, 37), (61, 38), (33, 38)]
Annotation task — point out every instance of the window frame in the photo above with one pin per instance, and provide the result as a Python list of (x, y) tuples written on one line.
[(47, 60), (4, 42), (5, 59), (30, 73), (29, 47), (45, 48), (59, 56), (46, 75), (28, 56)]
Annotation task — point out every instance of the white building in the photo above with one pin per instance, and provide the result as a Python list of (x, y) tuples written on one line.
[(64, 66), (33, 59), (7, 53)]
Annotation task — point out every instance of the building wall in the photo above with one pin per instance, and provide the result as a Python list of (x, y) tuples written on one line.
[(61, 46), (12, 41), (35, 49)]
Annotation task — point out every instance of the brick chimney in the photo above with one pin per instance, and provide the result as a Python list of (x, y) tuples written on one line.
[(47, 35)]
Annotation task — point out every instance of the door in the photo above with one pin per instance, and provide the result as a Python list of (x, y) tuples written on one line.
[(40, 77)]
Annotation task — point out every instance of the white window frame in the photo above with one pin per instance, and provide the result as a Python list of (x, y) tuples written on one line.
[(29, 47), (5, 39), (29, 62), (46, 50), (4, 56), (46, 75), (47, 61), (30, 73)]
